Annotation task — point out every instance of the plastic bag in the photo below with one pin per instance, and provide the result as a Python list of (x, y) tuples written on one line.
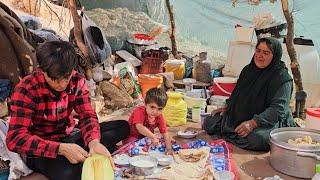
[(97, 167), (175, 112), (128, 82), (92, 87)]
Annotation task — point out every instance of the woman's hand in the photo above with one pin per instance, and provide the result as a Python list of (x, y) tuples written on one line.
[(96, 147), (219, 110), (246, 127)]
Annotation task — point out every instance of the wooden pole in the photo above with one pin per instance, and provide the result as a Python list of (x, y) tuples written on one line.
[(77, 30), (295, 67), (173, 30)]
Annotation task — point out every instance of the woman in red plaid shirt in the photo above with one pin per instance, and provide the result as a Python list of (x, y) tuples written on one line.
[(42, 128)]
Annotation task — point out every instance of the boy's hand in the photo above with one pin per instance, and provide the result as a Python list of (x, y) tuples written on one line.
[(172, 140), (169, 152), (155, 141)]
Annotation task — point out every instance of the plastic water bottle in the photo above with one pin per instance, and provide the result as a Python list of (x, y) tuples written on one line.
[(317, 175)]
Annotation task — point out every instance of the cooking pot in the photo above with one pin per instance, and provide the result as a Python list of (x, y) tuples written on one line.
[(299, 161), (143, 165)]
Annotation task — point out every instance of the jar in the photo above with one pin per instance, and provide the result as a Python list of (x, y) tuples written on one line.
[(196, 111)]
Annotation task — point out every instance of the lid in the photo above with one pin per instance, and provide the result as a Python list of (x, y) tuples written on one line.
[(205, 114), (225, 80), (318, 168), (313, 112)]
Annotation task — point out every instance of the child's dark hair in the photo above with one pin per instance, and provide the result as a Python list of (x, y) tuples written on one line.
[(156, 95), (57, 59)]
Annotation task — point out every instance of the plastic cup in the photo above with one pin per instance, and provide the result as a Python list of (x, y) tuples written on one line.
[(224, 175), (202, 117)]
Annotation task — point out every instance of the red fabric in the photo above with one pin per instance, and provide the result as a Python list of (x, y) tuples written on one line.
[(229, 149), (139, 115), (40, 117)]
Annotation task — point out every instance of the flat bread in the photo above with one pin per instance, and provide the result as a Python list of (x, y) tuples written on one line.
[(189, 164)]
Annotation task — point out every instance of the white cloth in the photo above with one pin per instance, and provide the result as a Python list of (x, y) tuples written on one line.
[(17, 167)]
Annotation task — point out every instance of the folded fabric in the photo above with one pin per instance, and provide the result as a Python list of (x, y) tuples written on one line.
[(17, 167)]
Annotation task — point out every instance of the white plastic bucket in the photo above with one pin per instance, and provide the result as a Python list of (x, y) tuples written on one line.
[(216, 99), (198, 93), (188, 83), (313, 118), (191, 102)]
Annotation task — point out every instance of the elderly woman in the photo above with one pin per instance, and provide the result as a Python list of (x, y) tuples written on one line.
[(259, 103)]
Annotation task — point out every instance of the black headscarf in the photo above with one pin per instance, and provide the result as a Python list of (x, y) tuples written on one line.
[(255, 88)]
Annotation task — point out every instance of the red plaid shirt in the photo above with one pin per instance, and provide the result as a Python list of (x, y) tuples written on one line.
[(40, 119)]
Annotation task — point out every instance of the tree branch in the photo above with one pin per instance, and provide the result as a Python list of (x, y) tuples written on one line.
[(295, 67), (77, 30), (173, 29)]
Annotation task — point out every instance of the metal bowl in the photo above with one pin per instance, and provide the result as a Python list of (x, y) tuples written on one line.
[(164, 160), (187, 134), (143, 165), (122, 159), (281, 136), (298, 161)]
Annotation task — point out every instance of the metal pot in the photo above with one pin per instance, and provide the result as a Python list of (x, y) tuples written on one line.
[(146, 165), (298, 161)]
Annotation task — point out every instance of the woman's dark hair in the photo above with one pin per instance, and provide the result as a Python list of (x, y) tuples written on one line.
[(57, 59), (156, 95), (268, 42)]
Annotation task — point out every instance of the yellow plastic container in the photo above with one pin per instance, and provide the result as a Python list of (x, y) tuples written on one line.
[(175, 112), (97, 167), (177, 67)]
